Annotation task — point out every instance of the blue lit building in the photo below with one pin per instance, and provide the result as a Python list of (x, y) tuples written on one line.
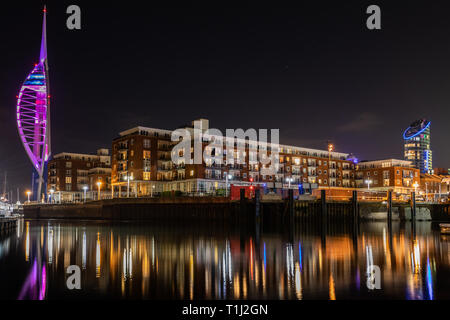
[(417, 142)]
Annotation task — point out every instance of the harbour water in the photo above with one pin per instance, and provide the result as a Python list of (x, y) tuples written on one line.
[(151, 261)]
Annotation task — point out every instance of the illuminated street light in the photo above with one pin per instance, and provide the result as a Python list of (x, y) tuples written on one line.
[(330, 149), (28, 194), (128, 178), (289, 180), (227, 176), (368, 182), (85, 189), (415, 185), (151, 191), (52, 191), (99, 184)]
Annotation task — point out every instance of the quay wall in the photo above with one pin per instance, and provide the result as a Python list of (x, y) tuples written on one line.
[(212, 208)]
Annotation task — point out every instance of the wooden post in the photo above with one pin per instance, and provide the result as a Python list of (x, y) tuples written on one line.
[(242, 201), (355, 206), (413, 206), (323, 199), (389, 208), (291, 204), (257, 202)]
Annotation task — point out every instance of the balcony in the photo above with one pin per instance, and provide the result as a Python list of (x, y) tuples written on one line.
[(164, 148), (122, 147), (164, 168)]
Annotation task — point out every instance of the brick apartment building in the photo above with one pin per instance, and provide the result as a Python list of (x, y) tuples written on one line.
[(433, 186), (69, 173), (389, 174), (144, 155)]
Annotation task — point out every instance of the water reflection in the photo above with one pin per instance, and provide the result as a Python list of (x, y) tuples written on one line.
[(160, 262)]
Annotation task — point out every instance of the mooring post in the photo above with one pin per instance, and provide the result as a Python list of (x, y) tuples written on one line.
[(242, 201), (355, 206), (413, 206), (324, 213), (323, 199), (389, 203), (257, 203), (291, 204)]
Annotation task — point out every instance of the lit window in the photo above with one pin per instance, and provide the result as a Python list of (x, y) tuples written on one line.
[(192, 173)]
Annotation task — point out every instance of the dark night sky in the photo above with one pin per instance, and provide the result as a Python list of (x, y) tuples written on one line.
[(312, 70)]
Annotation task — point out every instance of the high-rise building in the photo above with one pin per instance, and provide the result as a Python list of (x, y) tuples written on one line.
[(417, 142)]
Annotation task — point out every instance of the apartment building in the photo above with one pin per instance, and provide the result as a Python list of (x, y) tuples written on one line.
[(70, 173), (142, 159), (388, 174)]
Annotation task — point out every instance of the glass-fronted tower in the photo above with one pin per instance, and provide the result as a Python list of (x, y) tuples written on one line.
[(417, 141)]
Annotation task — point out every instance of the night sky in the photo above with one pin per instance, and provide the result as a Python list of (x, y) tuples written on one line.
[(314, 71)]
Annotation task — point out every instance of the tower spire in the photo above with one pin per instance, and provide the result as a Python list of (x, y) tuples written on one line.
[(43, 54)]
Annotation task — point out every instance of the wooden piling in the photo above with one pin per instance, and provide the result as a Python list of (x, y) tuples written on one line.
[(389, 204)]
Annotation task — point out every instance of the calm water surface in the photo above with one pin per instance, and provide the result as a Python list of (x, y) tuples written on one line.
[(135, 261)]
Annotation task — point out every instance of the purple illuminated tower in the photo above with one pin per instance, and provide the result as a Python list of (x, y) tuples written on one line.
[(33, 118)]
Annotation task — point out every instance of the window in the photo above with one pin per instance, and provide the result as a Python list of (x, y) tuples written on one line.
[(68, 187), (132, 153), (146, 154), (192, 173), (68, 164), (147, 143), (68, 172), (146, 175), (68, 179)]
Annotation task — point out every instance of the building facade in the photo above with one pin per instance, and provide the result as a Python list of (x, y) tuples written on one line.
[(442, 171), (389, 174), (69, 174), (145, 156), (417, 145)]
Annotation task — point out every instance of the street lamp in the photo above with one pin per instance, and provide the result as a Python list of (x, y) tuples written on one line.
[(415, 185), (28, 194), (99, 184), (85, 189), (289, 180), (128, 178), (368, 181), (227, 176), (52, 191), (330, 149), (151, 191)]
